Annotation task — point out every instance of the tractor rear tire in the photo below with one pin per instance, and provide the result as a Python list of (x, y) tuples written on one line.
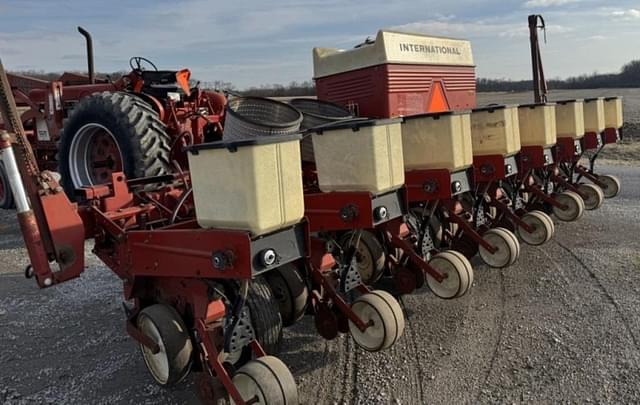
[(110, 132), (6, 196)]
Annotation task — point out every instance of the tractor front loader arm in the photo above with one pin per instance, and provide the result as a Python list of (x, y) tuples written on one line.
[(51, 226)]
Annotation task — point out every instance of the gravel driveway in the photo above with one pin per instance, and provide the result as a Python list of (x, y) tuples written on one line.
[(562, 325)]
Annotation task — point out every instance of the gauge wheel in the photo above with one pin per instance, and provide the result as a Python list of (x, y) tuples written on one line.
[(290, 291), (370, 256)]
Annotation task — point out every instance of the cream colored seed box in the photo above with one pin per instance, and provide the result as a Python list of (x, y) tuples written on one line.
[(437, 141), (537, 124), (249, 185), (613, 112), (594, 115), (359, 155), (495, 131), (570, 119)]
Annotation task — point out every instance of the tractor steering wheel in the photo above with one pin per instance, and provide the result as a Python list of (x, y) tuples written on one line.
[(136, 63)]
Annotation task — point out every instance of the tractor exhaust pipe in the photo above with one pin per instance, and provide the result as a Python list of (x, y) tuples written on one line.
[(90, 66)]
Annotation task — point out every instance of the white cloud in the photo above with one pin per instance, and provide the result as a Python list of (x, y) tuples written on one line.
[(630, 14), (548, 3), (479, 29), (463, 29)]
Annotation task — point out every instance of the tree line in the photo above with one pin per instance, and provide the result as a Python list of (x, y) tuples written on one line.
[(629, 76)]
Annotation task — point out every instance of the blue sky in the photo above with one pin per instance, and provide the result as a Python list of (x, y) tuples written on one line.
[(253, 42)]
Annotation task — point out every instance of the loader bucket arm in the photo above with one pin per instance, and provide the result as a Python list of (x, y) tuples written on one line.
[(51, 226)]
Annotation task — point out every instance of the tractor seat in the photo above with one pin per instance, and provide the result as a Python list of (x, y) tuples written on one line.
[(159, 83)]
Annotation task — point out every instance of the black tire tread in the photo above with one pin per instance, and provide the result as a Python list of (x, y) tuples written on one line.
[(148, 142), (290, 276), (374, 246), (265, 315)]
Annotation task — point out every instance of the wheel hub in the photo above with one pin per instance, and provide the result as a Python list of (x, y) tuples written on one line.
[(94, 156)]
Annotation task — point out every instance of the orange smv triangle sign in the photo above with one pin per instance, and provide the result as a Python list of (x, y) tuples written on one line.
[(438, 101)]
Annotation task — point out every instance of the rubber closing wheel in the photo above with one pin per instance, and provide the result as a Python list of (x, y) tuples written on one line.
[(508, 248), (370, 257), (456, 282), (266, 380), (290, 291), (612, 185), (592, 195), (383, 330), (162, 324), (6, 196), (574, 206), (542, 230)]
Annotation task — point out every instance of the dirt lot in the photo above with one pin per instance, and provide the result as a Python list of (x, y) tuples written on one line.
[(562, 325)]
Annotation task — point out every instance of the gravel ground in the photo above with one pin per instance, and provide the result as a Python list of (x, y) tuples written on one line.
[(562, 325)]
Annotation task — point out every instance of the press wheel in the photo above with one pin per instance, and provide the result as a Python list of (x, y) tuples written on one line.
[(542, 230), (612, 185), (467, 264), (507, 245), (266, 380), (548, 218), (162, 324), (398, 313), (383, 330), (457, 280), (574, 203), (592, 195)]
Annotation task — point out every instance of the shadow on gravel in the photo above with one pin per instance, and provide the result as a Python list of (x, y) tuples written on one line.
[(303, 349), (10, 242), (305, 361), (10, 236)]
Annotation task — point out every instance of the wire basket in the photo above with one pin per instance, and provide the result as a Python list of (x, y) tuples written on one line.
[(250, 117), (316, 113)]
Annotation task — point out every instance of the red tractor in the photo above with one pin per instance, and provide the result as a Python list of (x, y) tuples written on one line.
[(87, 128)]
